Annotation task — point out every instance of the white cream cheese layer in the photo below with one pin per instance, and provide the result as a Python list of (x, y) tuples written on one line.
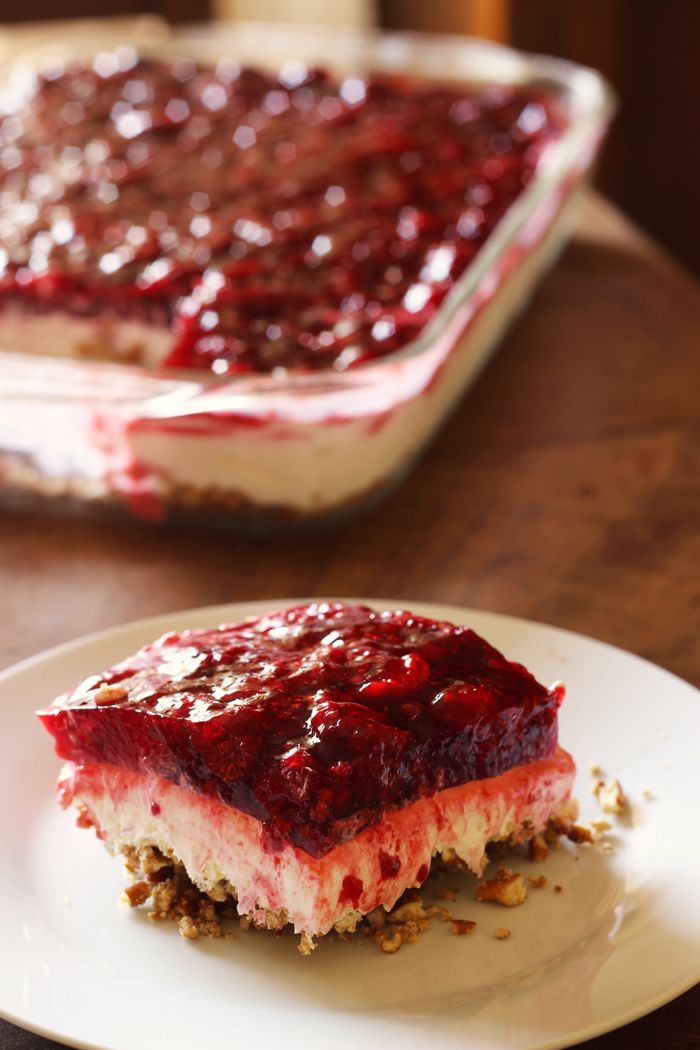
[(216, 842)]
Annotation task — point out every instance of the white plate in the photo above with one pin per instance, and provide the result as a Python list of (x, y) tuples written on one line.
[(621, 939)]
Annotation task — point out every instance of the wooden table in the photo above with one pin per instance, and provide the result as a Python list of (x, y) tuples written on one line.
[(566, 489)]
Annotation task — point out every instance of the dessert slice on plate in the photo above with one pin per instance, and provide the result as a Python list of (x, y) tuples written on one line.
[(311, 762)]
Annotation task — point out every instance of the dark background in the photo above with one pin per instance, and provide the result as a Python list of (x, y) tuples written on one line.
[(647, 48)]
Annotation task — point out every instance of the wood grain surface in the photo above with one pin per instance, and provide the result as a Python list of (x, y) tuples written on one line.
[(565, 489)]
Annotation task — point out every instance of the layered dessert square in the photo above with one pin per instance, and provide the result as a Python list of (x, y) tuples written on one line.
[(310, 764)]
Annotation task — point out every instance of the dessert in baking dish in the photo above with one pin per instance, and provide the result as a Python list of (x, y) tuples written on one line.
[(255, 296), (240, 222), (309, 764)]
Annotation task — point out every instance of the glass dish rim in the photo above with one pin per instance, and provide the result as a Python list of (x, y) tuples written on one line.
[(591, 100)]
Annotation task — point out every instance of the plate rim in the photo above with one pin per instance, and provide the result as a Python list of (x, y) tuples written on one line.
[(411, 605)]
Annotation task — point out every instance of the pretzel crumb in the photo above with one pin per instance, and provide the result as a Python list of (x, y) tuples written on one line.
[(579, 834), (558, 889), (508, 889), (460, 927), (502, 933), (411, 910), (537, 882), (188, 927), (538, 850), (390, 942), (610, 796), (306, 944), (434, 910), (401, 924), (137, 894), (109, 694)]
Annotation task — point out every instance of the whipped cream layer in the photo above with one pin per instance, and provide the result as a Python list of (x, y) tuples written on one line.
[(221, 845), (100, 337)]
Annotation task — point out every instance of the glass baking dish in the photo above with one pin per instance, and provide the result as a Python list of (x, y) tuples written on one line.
[(263, 452)]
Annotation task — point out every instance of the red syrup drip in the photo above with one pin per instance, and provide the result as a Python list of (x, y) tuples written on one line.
[(351, 891), (388, 865)]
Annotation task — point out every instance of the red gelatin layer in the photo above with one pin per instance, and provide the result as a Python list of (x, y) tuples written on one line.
[(316, 719), (295, 221)]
